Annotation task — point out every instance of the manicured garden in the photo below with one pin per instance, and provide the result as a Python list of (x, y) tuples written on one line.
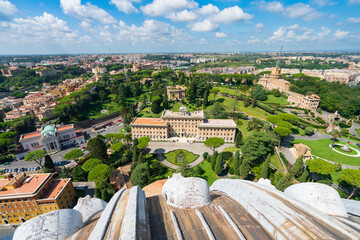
[(351, 152), (274, 160), (209, 175), (180, 157), (276, 100), (321, 148), (93, 111)]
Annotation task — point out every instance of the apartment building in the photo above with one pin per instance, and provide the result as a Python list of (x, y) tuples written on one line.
[(176, 93)]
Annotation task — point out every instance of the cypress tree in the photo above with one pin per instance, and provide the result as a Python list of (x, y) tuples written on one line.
[(298, 167), (238, 139), (236, 162), (140, 158), (304, 176), (213, 160), (208, 158), (284, 182), (49, 164), (135, 154), (205, 100), (165, 101), (265, 169), (219, 165), (244, 169)]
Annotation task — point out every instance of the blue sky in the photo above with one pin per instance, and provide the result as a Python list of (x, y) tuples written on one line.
[(128, 26)]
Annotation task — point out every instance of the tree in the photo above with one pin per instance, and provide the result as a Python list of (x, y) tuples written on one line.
[(97, 148), (244, 169), (214, 91), (49, 164), (309, 131), (256, 147), (165, 102), (140, 158), (117, 146), (139, 176), (281, 132), (213, 160), (36, 156), (155, 104), (205, 99), (239, 140), (350, 177), (298, 167), (284, 124), (90, 164), (64, 173), (304, 176), (284, 182), (214, 142), (236, 162), (217, 110), (219, 164), (247, 102), (4, 145), (289, 118), (73, 154), (259, 93), (335, 134), (100, 174), (143, 143), (319, 166), (265, 169), (78, 174), (274, 119)]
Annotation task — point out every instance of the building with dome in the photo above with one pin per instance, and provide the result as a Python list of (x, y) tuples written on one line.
[(50, 138), (183, 124), (186, 208)]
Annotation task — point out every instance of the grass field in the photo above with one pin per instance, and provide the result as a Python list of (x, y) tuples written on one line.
[(147, 113), (338, 147), (321, 148), (209, 175), (276, 100), (229, 91), (189, 157), (274, 160), (231, 149), (94, 111)]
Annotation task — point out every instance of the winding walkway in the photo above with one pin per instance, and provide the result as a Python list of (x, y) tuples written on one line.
[(349, 155), (198, 148)]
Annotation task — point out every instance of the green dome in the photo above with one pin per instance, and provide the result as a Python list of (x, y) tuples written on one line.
[(50, 129)]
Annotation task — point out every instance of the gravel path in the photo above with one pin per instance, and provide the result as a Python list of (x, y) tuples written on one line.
[(197, 148)]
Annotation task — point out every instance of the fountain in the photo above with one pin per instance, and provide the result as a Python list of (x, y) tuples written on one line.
[(346, 147)]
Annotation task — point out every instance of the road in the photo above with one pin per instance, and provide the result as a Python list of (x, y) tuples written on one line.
[(58, 157)]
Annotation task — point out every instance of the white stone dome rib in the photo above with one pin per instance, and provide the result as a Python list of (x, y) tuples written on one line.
[(89, 206)]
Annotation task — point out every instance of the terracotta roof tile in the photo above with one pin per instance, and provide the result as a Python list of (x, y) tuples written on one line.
[(150, 121)]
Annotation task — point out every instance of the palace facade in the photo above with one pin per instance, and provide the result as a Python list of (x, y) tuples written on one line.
[(176, 93), (183, 124), (23, 197)]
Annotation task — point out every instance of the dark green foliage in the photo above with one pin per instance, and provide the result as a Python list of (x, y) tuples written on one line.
[(205, 154), (236, 162), (239, 139), (73, 154), (140, 158), (259, 93), (205, 99), (208, 158), (244, 169), (97, 148), (100, 175), (247, 102), (298, 167), (304, 176), (49, 164), (65, 173), (256, 147), (107, 193), (78, 174), (213, 160), (214, 142), (309, 131), (285, 182), (155, 104), (165, 101), (219, 165), (139, 176), (97, 193), (265, 168)]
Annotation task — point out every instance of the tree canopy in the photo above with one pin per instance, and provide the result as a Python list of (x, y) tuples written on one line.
[(100, 174), (350, 177), (73, 154), (36, 156), (256, 147), (320, 166), (97, 148), (90, 164), (139, 176), (214, 142)]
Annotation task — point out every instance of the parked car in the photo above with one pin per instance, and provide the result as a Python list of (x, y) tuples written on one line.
[(7, 163)]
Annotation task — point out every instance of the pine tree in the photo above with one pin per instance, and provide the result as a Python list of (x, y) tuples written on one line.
[(213, 160), (49, 164), (219, 165), (236, 162), (141, 158), (238, 139), (265, 169), (244, 169), (304, 176), (298, 167), (284, 182), (205, 99)]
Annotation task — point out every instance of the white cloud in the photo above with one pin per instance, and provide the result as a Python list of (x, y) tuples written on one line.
[(353, 19), (183, 16), (125, 6), (7, 9), (302, 10), (203, 41), (87, 12), (253, 40), (273, 6), (204, 26), (341, 34), (259, 27), (166, 7), (297, 33), (44, 28), (220, 35), (231, 14), (353, 2), (322, 3), (208, 10)]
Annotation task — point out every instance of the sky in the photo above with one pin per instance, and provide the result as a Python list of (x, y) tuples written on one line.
[(154, 26)]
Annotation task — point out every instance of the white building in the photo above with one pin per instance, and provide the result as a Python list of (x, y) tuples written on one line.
[(49, 138)]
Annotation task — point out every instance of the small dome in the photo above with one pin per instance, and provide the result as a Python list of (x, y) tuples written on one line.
[(266, 182), (182, 109), (60, 223), (189, 192), (48, 130), (88, 206), (320, 196)]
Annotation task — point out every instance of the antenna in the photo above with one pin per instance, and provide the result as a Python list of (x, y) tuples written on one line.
[(278, 61)]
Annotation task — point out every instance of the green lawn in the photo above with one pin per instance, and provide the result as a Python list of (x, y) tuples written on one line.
[(231, 149), (174, 157), (243, 127), (338, 147), (321, 148), (229, 91), (276, 100), (274, 160), (94, 111), (209, 175), (176, 106), (147, 113)]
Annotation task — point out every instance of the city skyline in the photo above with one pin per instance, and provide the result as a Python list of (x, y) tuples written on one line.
[(135, 26)]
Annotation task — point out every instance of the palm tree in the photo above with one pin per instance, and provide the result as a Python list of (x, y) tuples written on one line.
[(335, 134)]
